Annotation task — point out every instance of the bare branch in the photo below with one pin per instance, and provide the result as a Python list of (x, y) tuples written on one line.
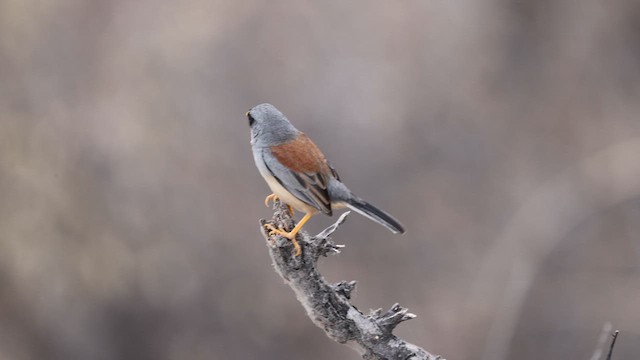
[(602, 341), (327, 304), (613, 343)]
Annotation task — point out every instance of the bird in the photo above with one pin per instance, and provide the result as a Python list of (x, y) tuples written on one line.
[(299, 175)]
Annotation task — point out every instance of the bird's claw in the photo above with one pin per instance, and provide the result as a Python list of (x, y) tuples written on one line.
[(274, 197), (273, 230)]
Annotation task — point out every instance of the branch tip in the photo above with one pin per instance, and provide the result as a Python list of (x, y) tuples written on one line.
[(613, 343), (392, 317), (333, 227), (345, 288)]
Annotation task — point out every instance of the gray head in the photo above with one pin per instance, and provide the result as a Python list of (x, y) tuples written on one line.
[(269, 126)]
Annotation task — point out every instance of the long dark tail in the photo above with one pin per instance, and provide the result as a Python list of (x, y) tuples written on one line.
[(375, 214)]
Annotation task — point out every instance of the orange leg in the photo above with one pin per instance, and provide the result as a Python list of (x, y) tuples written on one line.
[(292, 234)]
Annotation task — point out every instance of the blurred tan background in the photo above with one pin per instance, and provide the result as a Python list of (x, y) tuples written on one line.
[(505, 135)]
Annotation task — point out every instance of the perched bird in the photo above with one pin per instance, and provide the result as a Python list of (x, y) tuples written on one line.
[(299, 175)]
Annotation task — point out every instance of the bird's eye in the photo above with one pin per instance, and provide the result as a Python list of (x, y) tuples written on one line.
[(251, 119)]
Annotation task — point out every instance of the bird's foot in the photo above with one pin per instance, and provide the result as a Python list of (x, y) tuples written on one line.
[(274, 197), (289, 235)]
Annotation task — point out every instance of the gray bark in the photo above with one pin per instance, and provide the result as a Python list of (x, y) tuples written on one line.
[(327, 304)]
